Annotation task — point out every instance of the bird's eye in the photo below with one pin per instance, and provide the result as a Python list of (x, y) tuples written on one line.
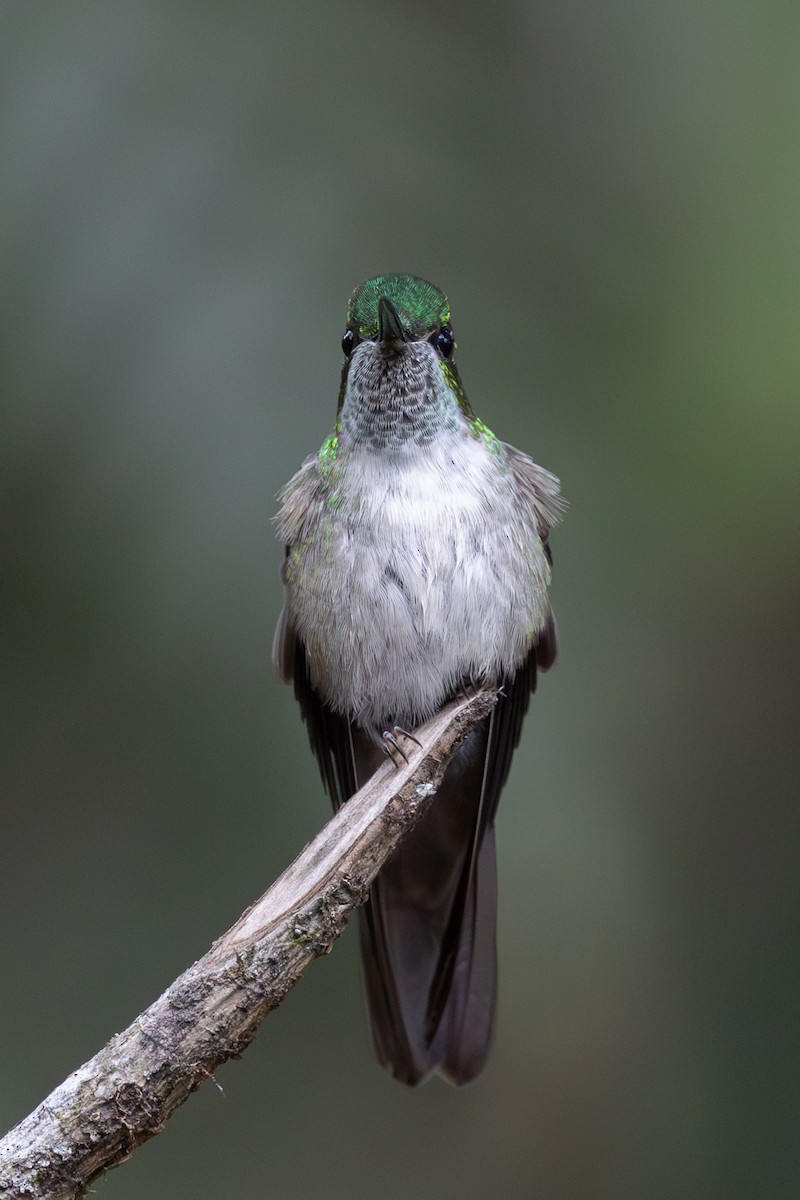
[(444, 342), (349, 342)]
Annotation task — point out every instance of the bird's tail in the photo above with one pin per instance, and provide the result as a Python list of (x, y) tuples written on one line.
[(428, 935)]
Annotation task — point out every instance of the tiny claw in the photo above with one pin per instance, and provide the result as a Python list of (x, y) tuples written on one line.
[(404, 733), (392, 747)]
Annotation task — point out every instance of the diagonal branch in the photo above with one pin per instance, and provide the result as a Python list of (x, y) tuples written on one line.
[(126, 1093)]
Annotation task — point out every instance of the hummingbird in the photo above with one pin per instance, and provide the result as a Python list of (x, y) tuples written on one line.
[(417, 568)]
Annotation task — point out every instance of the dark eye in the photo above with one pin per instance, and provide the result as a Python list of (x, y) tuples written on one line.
[(348, 342), (444, 342)]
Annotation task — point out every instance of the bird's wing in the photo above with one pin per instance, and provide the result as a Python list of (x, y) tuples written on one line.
[(537, 489)]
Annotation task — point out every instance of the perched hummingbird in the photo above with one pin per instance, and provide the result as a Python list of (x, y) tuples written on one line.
[(417, 566)]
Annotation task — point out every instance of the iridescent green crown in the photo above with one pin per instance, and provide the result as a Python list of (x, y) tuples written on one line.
[(421, 307)]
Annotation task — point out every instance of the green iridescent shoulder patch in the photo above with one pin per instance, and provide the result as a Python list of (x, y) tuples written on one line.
[(421, 306)]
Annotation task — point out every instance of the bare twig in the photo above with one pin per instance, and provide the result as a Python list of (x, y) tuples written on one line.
[(126, 1093)]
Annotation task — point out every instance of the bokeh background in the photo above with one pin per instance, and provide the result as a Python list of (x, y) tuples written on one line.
[(609, 193)]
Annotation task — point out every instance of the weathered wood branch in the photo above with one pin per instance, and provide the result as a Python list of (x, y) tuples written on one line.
[(126, 1093)]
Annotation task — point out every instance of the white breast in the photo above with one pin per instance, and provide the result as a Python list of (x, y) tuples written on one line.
[(431, 571)]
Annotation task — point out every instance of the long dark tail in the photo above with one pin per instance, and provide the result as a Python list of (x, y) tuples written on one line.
[(428, 934)]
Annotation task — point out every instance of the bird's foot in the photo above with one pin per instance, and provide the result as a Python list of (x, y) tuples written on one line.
[(391, 745), (468, 689)]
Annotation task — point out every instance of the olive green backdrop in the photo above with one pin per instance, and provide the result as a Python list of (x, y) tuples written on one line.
[(609, 195)]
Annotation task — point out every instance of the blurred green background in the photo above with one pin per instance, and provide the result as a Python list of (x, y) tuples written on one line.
[(609, 195)]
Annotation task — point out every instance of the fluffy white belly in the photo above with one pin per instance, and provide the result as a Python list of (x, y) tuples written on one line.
[(428, 571)]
